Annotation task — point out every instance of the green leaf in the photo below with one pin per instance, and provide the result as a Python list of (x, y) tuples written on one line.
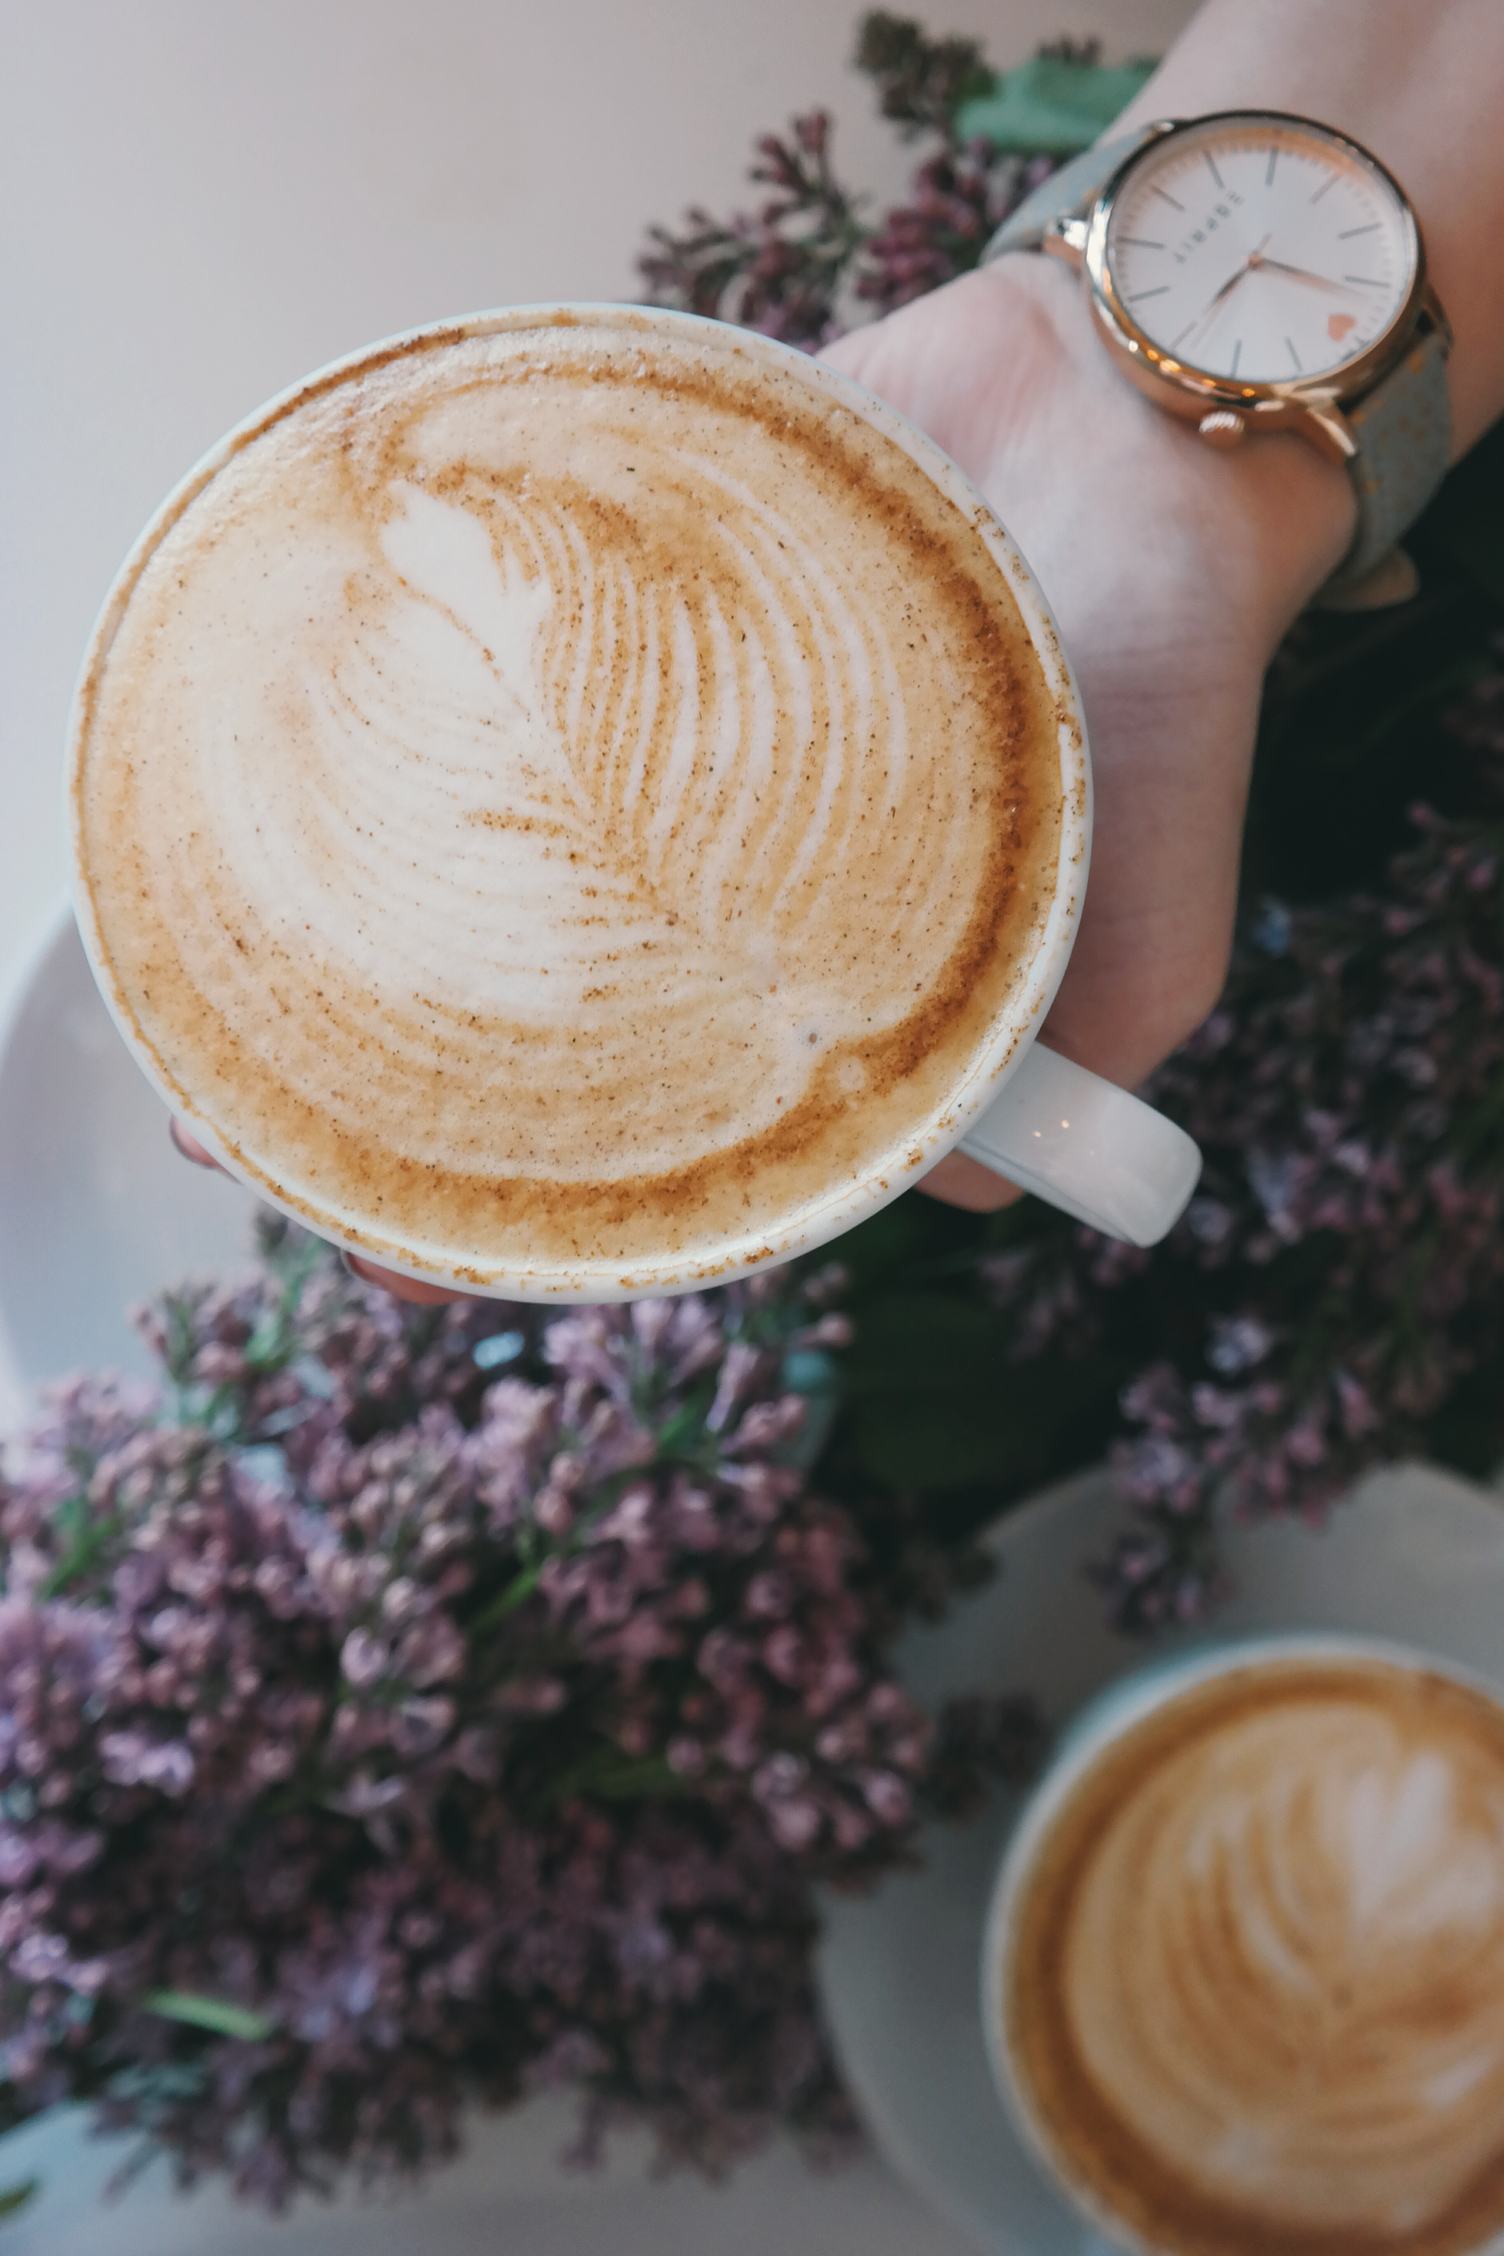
[(935, 1403), (516, 1593), (891, 1239), (950, 1442), (217, 2015), (15, 2198), (1050, 106), (87, 1535), (924, 1342), (1465, 523), (614, 1777), (933, 1400)]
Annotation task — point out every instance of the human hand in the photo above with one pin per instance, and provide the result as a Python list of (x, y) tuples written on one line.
[(404, 1288), (1172, 572)]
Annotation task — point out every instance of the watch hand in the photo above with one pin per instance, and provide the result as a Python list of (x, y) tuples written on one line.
[(1253, 259), (1304, 274), (1230, 284)]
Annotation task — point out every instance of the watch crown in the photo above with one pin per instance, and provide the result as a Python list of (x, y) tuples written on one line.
[(1223, 427)]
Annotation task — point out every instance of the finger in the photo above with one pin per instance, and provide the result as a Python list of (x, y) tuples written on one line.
[(848, 353), (959, 1181), (369, 1272), (191, 1148), (411, 1289)]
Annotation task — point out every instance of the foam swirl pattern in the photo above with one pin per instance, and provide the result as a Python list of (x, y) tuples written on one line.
[(1269, 2010), (569, 794)]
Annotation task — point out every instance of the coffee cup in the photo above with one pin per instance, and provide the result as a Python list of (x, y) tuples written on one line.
[(418, 846), (1243, 1970)]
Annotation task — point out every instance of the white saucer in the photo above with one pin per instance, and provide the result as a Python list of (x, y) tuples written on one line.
[(97, 1211), (1415, 1555)]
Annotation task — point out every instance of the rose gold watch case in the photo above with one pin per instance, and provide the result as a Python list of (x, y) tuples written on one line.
[(1311, 406)]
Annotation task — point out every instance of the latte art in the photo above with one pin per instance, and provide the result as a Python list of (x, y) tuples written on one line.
[(1259, 1975), (565, 794)]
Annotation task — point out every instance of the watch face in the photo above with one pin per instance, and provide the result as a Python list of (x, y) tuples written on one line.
[(1260, 249)]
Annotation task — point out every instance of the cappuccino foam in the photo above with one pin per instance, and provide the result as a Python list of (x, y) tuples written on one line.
[(565, 793), (1257, 1977)]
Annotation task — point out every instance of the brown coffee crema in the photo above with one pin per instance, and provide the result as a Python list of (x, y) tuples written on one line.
[(1257, 1976), (567, 794)]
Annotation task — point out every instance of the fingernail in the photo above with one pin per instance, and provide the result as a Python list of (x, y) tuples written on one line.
[(194, 1158)]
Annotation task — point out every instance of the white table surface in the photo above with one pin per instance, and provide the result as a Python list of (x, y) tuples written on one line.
[(507, 2195), (205, 198)]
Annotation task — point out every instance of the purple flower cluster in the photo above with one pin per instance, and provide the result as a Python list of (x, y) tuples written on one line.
[(809, 262), (921, 80), (960, 196), (407, 1708), (1338, 1282), (781, 268)]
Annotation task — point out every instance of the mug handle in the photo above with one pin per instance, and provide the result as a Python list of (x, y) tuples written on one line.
[(1088, 1147)]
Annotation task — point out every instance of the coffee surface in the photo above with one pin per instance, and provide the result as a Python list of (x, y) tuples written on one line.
[(567, 794), (1257, 1992)]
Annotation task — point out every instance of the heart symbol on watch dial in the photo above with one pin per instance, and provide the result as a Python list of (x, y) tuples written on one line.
[(1338, 324)]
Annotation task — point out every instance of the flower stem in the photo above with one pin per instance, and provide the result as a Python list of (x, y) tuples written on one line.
[(217, 2015)]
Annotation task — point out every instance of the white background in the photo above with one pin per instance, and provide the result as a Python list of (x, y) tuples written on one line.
[(203, 199)]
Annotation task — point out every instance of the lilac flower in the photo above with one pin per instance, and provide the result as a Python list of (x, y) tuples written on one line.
[(807, 263), (959, 198), (390, 1720)]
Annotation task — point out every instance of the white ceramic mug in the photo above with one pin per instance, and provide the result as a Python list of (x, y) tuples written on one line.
[(1074, 1139), (1090, 1735)]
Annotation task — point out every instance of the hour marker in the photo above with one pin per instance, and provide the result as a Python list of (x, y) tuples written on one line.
[(1158, 291), (1369, 281), (1211, 164), (1237, 354), (1177, 342), (1366, 229), (1290, 349), (1140, 242), (1269, 168), (1330, 181), (1169, 199)]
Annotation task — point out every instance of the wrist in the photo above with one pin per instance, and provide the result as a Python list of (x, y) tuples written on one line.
[(1276, 516)]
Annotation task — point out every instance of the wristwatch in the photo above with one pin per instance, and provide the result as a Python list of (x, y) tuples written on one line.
[(1253, 272)]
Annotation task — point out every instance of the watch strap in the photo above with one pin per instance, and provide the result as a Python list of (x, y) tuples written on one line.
[(1067, 191), (1403, 429)]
